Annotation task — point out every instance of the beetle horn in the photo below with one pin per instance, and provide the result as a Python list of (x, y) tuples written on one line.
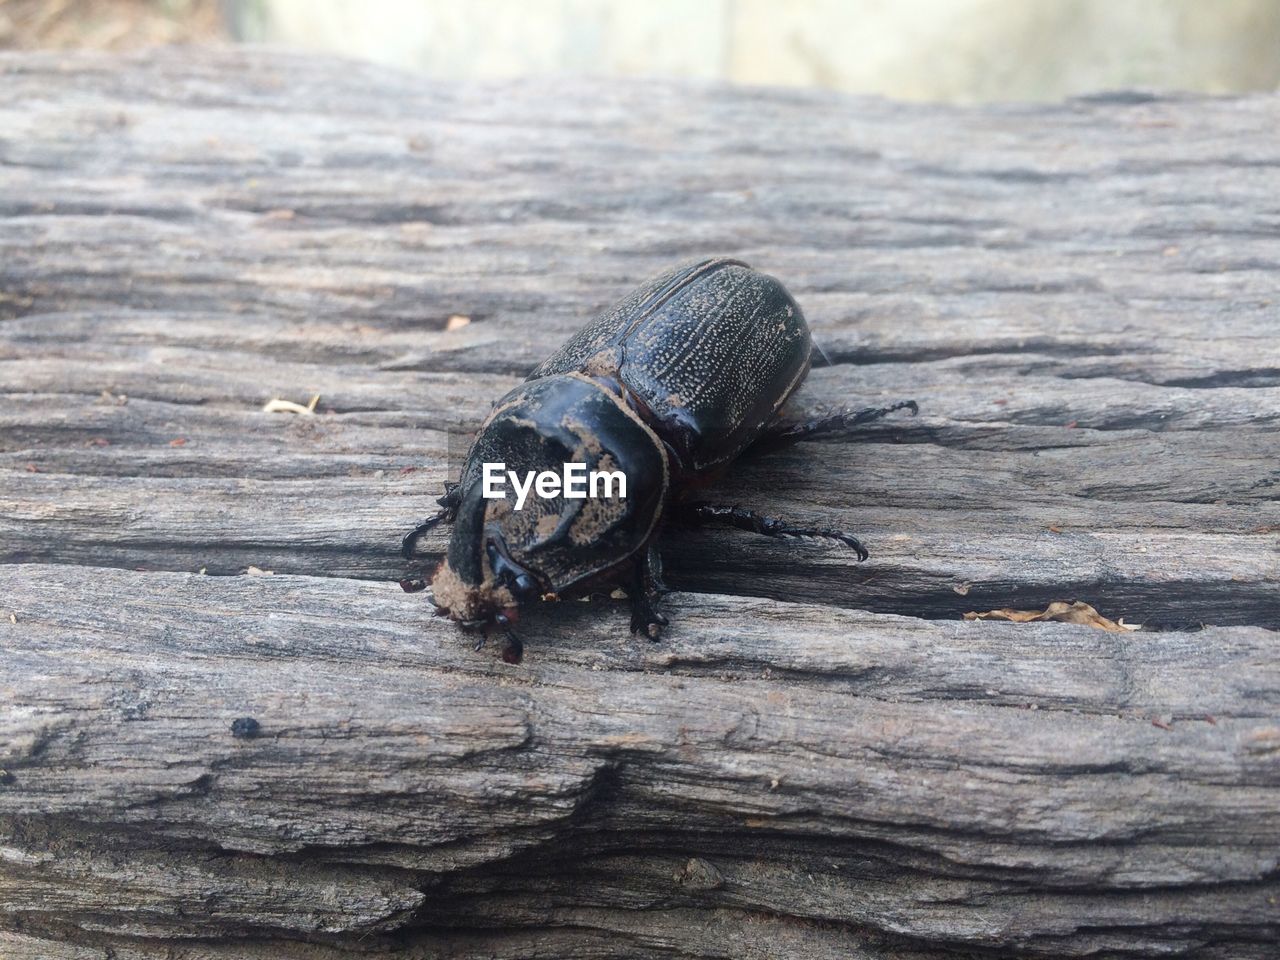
[(465, 554)]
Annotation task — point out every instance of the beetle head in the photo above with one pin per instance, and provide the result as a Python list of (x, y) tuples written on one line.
[(500, 557), (480, 584)]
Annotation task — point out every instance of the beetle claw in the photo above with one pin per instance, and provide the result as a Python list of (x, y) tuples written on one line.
[(849, 540), (647, 621), (514, 650)]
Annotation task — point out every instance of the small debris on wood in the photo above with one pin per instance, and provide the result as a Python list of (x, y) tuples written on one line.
[(245, 727), (1265, 741), (699, 874), (178, 442), (1054, 528), (276, 405), (258, 572), (962, 588), (456, 322), (1060, 611), (13, 618)]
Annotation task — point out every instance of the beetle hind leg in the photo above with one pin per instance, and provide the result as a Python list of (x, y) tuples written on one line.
[(702, 513), (646, 588), (842, 422)]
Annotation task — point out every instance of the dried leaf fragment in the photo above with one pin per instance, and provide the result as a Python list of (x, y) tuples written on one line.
[(276, 405), (1077, 611)]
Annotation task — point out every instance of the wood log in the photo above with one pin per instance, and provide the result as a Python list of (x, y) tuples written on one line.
[(820, 758)]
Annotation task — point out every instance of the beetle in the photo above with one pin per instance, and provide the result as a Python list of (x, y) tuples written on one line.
[(670, 387)]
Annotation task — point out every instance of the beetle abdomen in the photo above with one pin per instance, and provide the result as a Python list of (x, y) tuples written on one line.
[(717, 361), (710, 351)]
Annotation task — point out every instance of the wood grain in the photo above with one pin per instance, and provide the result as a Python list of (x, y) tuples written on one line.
[(820, 759)]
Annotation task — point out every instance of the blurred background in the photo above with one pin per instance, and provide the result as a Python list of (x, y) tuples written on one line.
[(951, 50)]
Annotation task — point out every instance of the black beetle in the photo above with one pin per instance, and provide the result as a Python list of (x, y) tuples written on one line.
[(669, 386)]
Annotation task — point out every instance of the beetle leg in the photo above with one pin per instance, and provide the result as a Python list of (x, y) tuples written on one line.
[(749, 520), (841, 422), (447, 513), (646, 587), (426, 526), (657, 585)]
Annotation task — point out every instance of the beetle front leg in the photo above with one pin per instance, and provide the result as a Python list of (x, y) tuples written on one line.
[(842, 422), (447, 513), (646, 588), (698, 513)]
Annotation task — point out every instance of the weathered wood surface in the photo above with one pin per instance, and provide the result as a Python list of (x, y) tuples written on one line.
[(820, 759)]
